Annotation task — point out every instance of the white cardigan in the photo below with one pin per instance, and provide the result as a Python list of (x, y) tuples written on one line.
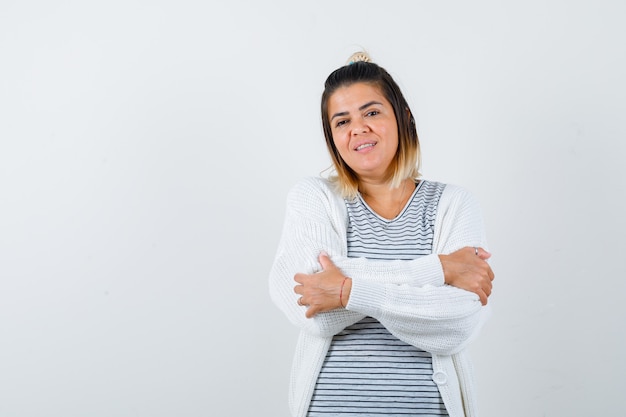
[(408, 297)]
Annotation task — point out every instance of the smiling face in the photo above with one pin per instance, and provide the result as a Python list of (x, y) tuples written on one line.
[(364, 130)]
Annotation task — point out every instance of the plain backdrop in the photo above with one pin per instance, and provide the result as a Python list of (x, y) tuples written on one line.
[(146, 149)]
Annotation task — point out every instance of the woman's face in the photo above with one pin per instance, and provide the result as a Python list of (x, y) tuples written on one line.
[(364, 129)]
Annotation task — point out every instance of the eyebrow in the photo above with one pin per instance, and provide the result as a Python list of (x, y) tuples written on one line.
[(366, 105)]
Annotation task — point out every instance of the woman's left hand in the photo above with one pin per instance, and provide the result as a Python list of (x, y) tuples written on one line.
[(321, 291)]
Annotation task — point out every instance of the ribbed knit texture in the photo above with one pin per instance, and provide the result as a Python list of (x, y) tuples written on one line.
[(408, 297)]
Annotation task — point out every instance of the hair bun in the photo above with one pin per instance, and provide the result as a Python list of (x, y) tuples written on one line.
[(359, 57)]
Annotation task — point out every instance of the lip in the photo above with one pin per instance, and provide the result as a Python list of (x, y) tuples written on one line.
[(364, 142)]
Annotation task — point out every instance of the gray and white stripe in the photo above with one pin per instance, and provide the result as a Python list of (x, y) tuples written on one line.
[(406, 237)]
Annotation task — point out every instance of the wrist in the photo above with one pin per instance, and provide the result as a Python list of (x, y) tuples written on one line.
[(442, 260), (344, 291)]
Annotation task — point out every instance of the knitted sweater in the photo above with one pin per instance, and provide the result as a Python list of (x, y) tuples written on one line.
[(408, 297)]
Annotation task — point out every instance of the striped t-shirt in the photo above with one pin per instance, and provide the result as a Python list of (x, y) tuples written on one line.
[(367, 370)]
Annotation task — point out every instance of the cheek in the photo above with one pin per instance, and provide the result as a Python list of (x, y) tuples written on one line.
[(392, 134), (341, 150), (340, 141)]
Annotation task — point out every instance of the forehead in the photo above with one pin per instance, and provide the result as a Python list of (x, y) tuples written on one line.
[(354, 96)]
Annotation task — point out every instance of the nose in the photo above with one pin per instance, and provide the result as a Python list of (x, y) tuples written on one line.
[(359, 128)]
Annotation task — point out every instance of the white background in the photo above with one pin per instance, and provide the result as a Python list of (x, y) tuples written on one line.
[(146, 149)]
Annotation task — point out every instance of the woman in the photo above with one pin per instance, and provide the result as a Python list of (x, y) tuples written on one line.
[(385, 274)]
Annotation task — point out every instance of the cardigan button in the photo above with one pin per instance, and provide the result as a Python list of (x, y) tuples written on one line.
[(440, 378)]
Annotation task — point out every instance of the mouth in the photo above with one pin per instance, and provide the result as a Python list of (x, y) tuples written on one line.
[(365, 146)]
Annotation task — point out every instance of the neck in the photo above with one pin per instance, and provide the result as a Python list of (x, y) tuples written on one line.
[(381, 190), (384, 200)]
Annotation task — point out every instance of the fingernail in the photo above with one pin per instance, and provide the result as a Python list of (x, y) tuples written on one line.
[(323, 253)]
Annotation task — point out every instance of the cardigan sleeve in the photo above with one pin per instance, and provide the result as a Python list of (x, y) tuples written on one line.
[(307, 231), (315, 221), (439, 319), (419, 272)]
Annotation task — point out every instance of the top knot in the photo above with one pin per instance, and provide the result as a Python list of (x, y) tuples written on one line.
[(359, 57)]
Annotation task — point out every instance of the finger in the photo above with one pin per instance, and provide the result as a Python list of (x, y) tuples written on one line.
[(485, 270), (299, 289), (487, 290), (310, 312), (325, 261), (298, 278), (483, 298), (482, 253)]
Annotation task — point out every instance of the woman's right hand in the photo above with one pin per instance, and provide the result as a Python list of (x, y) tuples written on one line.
[(468, 269)]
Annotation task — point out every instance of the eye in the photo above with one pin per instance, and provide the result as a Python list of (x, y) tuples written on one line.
[(341, 123), (372, 113)]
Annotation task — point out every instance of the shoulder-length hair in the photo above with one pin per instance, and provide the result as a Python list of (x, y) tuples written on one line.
[(406, 163)]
